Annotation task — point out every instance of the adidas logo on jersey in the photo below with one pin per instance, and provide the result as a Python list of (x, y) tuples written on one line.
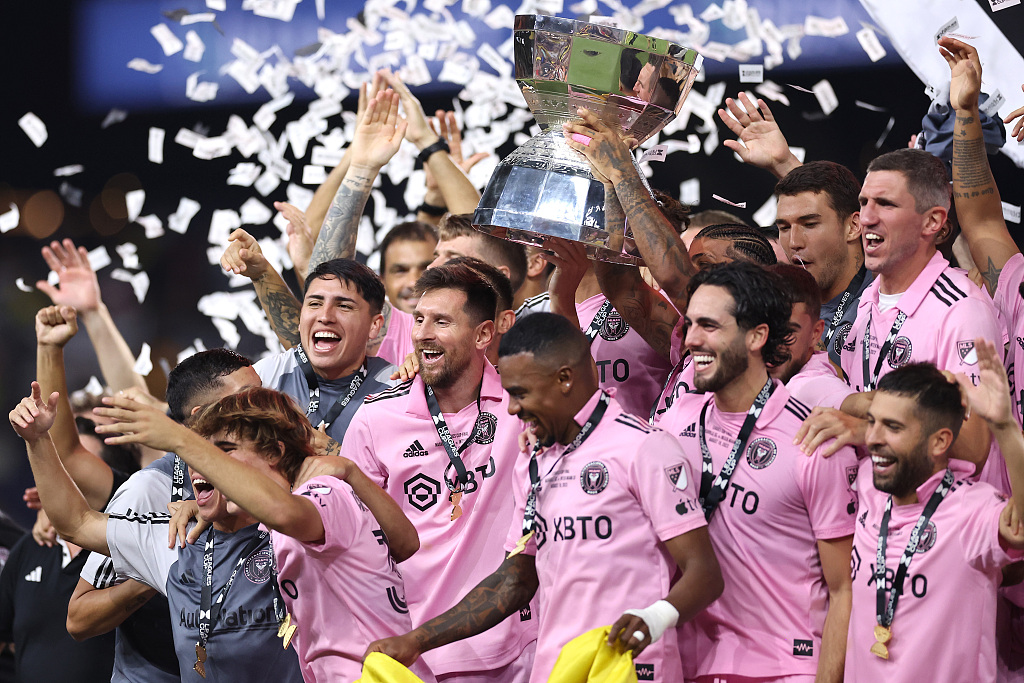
[(1020, 340), (415, 450), (36, 575), (690, 430)]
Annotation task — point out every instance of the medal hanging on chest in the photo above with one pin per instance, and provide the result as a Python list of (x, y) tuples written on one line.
[(200, 665), (454, 453)]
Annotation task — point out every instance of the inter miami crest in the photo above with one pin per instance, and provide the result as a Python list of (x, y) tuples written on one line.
[(614, 327), (839, 343), (594, 478), (258, 566), (928, 537), (761, 452), (968, 354), (899, 354), (486, 426)]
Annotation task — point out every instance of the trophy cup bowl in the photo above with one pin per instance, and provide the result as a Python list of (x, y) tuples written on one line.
[(634, 83)]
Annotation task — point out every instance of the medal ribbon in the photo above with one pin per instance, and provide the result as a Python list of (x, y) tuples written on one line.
[(209, 609), (178, 480), (595, 324), (668, 382), (454, 454), (711, 494), (531, 499), (837, 317), (314, 389), (871, 379), (885, 610)]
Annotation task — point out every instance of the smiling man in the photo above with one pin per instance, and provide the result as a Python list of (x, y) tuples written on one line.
[(444, 446), (405, 252), (780, 523), (329, 373)]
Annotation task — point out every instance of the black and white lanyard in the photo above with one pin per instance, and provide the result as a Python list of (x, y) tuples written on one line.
[(209, 608), (664, 387), (712, 488), (870, 380), (837, 316), (886, 609), (531, 499), (598, 321), (178, 480), (314, 389), (454, 453)]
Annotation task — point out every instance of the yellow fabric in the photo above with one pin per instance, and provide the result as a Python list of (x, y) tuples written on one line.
[(379, 668), (590, 659)]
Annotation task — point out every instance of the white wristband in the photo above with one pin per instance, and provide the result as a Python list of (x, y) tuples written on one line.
[(659, 617)]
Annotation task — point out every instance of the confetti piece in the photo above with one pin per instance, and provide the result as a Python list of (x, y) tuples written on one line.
[(34, 128), (144, 363), (156, 145), (740, 205), (139, 64), (71, 170), (169, 42)]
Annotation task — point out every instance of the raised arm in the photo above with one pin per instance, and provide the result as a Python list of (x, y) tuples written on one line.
[(80, 289), (759, 140), (250, 489), (243, 256), (377, 138), (55, 326), (571, 264), (639, 304), (460, 196), (69, 512), (94, 611), (974, 189), (659, 244), (448, 130), (497, 597)]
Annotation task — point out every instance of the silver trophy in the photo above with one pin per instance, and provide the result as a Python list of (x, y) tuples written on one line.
[(633, 82)]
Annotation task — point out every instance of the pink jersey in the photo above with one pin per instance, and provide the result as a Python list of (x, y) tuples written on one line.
[(348, 581), (624, 360), (602, 515), (397, 342), (779, 504), (945, 313), (393, 440), (681, 383), (944, 625), (1011, 305), (818, 385)]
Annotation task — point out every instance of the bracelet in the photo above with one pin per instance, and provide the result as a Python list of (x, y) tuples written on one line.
[(431, 210), (429, 150)]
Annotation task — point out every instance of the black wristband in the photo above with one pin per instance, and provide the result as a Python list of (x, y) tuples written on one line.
[(431, 210), (428, 151)]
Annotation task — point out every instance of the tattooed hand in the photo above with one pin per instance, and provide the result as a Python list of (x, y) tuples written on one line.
[(608, 154)]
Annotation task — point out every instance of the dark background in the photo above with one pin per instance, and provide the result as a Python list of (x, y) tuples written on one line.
[(37, 67)]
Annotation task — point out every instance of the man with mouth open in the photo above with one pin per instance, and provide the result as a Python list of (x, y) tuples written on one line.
[(780, 522), (444, 446), (920, 559), (597, 531)]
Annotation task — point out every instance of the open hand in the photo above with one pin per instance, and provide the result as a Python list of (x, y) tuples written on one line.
[(244, 256), (79, 287), (32, 417)]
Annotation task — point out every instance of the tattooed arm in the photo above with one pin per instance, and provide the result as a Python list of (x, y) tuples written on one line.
[(500, 595), (639, 304), (974, 189), (243, 256)]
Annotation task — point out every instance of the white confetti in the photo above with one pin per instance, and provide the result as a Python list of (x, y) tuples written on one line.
[(134, 201), (114, 116), (738, 205), (156, 145), (129, 255), (228, 332), (826, 96), (1011, 212), (99, 258), (830, 28), (9, 219), (951, 25), (194, 46), (140, 64), (656, 153), (180, 219), (144, 363), (64, 171), (153, 226), (766, 214), (169, 42), (139, 281), (34, 128), (689, 192), (20, 284), (313, 175), (751, 73), (997, 5), (868, 40)]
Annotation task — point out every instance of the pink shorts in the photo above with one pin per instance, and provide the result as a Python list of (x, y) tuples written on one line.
[(517, 671), (801, 678)]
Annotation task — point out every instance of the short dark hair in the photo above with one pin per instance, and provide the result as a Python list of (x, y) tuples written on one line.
[(801, 287), (198, 375), (265, 417), (927, 180), (410, 231), (495, 278), (481, 300), (759, 298), (748, 244), (836, 181), (497, 251), (677, 213), (548, 336), (938, 398), (354, 274)]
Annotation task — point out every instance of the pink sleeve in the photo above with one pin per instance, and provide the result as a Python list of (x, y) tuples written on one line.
[(397, 342), (967, 320), (357, 446), (821, 390), (664, 482), (339, 511), (825, 483), (675, 351), (979, 534), (1007, 297), (520, 490)]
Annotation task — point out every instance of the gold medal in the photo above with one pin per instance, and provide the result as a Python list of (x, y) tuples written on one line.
[(520, 545), (283, 626), (288, 634), (883, 634), (456, 498), (200, 665)]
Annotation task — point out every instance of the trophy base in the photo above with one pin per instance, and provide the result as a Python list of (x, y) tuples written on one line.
[(545, 189)]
